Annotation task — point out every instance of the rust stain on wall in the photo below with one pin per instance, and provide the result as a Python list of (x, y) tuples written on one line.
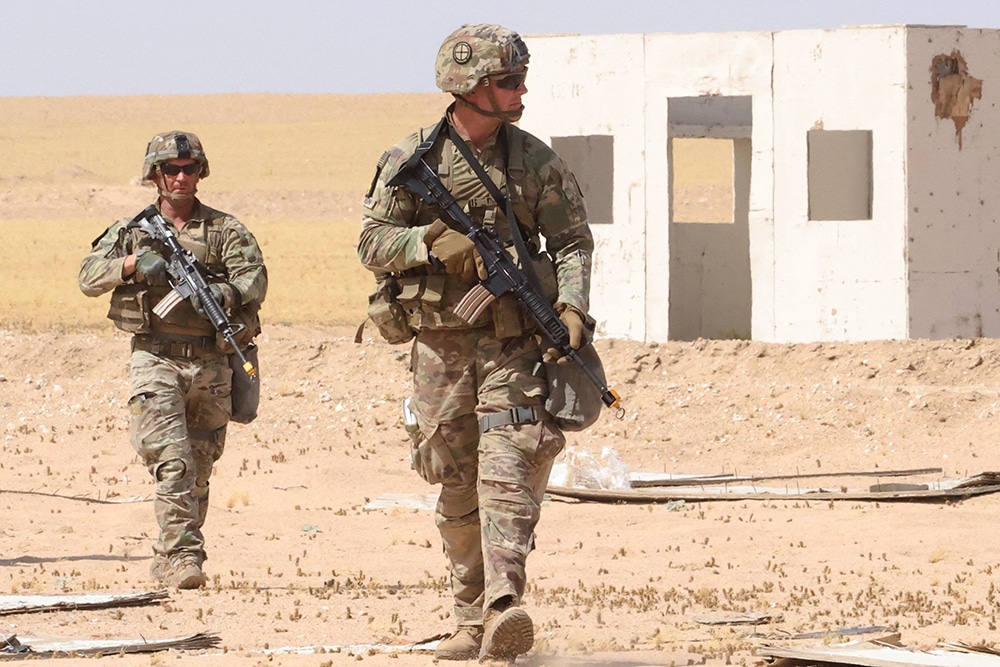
[(953, 90)]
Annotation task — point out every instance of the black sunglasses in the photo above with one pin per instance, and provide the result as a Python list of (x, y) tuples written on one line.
[(512, 81), (174, 169)]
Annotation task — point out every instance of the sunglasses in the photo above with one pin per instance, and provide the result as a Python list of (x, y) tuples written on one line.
[(511, 81), (174, 169)]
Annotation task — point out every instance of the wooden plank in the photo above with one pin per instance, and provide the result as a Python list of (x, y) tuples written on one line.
[(26, 604), (28, 648), (875, 654), (640, 479), (700, 495)]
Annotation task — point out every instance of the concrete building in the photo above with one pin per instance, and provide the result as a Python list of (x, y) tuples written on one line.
[(865, 179)]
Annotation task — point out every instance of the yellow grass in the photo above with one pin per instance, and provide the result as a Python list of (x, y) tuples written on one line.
[(268, 142), (703, 180), (314, 273), (294, 168)]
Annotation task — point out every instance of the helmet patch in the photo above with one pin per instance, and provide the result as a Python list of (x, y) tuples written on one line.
[(462, 53)]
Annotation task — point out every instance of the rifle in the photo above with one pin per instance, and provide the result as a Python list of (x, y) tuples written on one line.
[(188, 280), (502, 274)]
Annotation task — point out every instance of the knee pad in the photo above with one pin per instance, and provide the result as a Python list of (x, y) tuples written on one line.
[(170, 471)]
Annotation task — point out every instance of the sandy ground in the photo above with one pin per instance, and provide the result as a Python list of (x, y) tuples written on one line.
[(305, 572), (296, 560)]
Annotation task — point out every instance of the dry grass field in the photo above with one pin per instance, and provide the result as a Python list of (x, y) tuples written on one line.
[(294, 168)]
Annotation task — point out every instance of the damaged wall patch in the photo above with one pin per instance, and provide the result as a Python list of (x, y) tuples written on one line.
[(953, 90)]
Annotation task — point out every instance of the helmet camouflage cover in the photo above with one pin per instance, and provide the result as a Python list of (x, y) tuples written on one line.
[(173, 145), (475, 51)]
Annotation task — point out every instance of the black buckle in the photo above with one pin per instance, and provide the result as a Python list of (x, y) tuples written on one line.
[(518, 415)]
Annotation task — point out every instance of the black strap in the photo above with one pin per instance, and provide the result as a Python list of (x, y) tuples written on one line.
[(520, 415), (523, 255), (428, 143)]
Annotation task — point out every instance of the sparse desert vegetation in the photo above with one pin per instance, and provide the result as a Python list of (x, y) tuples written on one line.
[(298, 559)]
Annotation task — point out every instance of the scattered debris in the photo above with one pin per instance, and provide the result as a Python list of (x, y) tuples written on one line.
[(581, 469), (415, 501), (26, 604), (697, 489), (422, 646), (884, 652), (746, 618), (844, 632), (645, 479), (107, 500), (14, 648)]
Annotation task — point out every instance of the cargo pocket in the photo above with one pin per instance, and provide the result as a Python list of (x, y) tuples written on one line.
[(432, 458)]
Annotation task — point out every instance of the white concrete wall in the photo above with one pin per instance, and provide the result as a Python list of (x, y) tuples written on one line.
[(619, 85), (593, 85), (954, 193), (928, 262), (838, 280)]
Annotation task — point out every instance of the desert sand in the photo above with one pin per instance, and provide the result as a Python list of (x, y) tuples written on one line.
[(305, 570)]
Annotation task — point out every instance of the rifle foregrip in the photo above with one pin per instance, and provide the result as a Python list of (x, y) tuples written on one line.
[(545, 316)]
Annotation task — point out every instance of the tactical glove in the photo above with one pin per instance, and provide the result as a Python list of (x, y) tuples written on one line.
[(455, 251), (224, 294), (151, 267), (574, 321)]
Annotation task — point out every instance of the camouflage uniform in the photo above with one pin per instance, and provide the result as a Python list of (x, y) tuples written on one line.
[(492, 483), (180, 374)]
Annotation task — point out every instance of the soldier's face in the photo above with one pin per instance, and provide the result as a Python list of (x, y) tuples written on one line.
[(501, 94), (178, 176)]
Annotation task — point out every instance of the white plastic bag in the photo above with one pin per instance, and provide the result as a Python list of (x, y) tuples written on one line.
[(582, 470)]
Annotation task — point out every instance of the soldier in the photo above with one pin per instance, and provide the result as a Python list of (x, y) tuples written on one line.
[(476, 417), (180, 371)]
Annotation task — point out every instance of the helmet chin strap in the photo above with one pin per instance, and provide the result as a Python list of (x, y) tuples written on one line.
[(176, 197), (505, 116)]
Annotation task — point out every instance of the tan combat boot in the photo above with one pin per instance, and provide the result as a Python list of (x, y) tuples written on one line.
[(160, 568), (507, 634), (185, 572), (463, 644)]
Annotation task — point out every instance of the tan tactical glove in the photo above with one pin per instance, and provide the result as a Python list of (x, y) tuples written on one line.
[(456, 251), (573, 319)]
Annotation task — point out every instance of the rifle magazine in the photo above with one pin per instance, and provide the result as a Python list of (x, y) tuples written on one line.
[(167, 304), (475, 301)]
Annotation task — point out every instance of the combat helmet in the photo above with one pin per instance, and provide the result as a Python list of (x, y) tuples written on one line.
[(475, 51), (170, 145)]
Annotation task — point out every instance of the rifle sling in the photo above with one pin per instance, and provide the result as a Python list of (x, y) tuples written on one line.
[(524, 257)]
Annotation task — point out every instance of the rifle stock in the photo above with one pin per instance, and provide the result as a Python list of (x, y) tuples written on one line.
[(502, 274), (188, 281)]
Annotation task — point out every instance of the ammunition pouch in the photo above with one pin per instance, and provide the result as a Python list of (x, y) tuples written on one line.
[(387, 313), (130, 308)]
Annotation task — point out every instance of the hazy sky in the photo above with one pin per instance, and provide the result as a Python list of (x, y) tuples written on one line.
[(128, 47)]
